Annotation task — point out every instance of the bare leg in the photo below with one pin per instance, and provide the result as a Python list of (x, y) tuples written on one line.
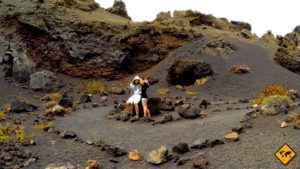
[(145, 107), (127, 108), (136, 106)]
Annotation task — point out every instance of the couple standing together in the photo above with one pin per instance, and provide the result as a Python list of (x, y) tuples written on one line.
[(138, 88)]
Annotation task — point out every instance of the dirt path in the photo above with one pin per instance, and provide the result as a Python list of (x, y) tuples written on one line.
[(92, 124)]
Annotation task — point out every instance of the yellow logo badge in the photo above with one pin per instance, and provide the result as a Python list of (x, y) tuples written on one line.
[(285, 154)]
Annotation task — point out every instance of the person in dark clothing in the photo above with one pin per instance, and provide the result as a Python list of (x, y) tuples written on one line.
[(145, 86)]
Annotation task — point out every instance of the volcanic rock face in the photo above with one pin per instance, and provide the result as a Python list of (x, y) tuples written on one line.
[(288, 52), (62, 36), (186, 72), (80, 39)]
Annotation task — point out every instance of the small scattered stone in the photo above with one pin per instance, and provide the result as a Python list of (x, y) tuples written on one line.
[(247, 124), (68, 134), (200, 144), (216, 142), (134, 155), (297, 126), (103, 99), (116, 151), (124, 117), (86, 98), (113, 160), (92, 164), (95, 105), (66, 102), (134, 119), (182, 161), (89, 142), (181, 148), (237, 129), (185, 106), (158, 157), (231, 137), (204, 104), (283, 124), (199, 161), (178, 102)]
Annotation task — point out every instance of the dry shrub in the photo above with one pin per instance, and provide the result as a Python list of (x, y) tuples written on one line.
[(270, 90), (295, 117), (277, 99), (191, 93), (6, 108), (12, 133), (2, 115), (162, 91), (179, 87), (43, 126), (54, 96), (269, 37), (268, 111), (5, 132), (94, 87), (202, 80)]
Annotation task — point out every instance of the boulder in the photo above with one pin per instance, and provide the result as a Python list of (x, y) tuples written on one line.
[(199, 161), (192, 112), (231, 137), (165, 106), (158, 157), (134, 155), (22, 68), (19, 106), (181, 148), (119, 8), (68, 134), (117, 90), (240, 69), (44, 81), (154, 105), (186, 72)]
